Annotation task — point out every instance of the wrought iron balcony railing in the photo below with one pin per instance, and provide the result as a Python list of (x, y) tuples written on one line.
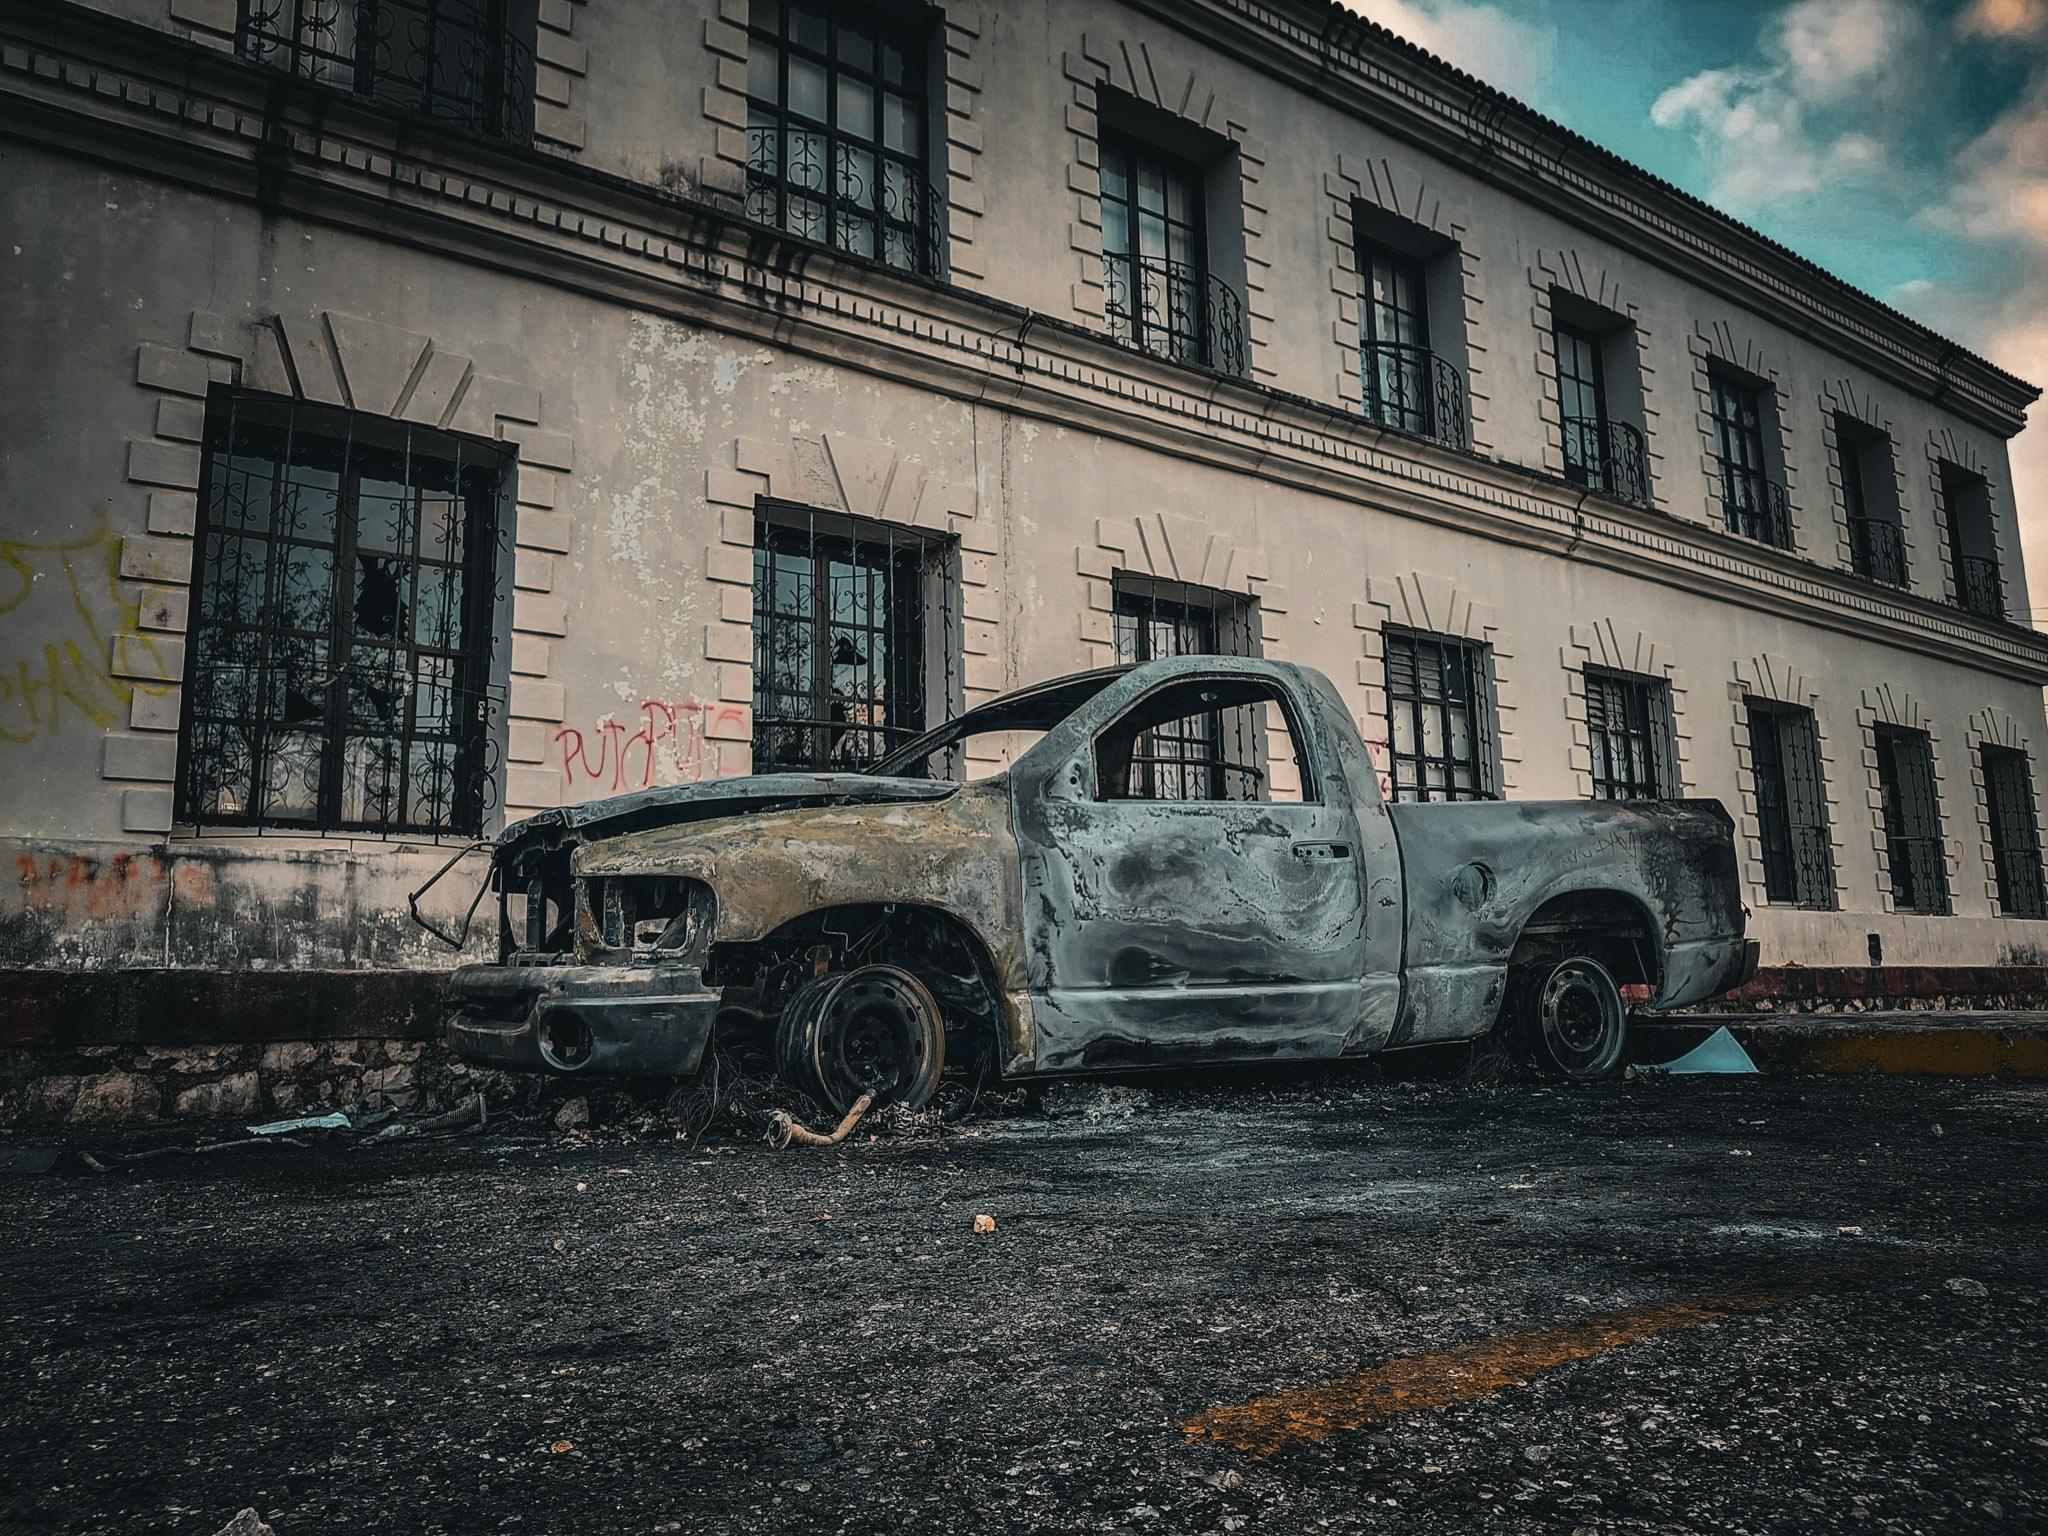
[(1877, 550), (1411, 389), (1174, 310), (1608, 457), (843, 194), (1919, 875), (1980, 589), (452, 61), (1756, 506)]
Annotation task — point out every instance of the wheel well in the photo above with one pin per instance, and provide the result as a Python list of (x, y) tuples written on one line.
[(935, 946), (1606, 926)]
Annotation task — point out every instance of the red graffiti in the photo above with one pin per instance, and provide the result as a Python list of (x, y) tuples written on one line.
[(1376, 749), (665, 743)]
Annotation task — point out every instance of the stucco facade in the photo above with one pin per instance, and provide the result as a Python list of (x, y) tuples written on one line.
[(182, 222)]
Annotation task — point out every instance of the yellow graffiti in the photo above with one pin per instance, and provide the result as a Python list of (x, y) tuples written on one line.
[(58, 655)]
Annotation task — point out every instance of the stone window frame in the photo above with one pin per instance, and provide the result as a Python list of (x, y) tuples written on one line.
[(1716, 342), (1995, 727), (1604, 644), (1944, 446), (328, 357), (1889, 704), (1568, 270), (1844, 397), (559, 61), (1437, 605), (861, 477), (1099, 61), (953, 155), (1765, 676), (1374, 182)]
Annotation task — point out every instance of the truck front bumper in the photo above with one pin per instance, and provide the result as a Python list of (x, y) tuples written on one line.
[(590, 1020), (1696, 971)]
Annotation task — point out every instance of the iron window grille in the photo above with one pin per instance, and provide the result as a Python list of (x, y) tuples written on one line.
[(837, 113), (1158, 292), (842, 646), (1439, 717), (1972, 544), (468, 63), (340, 668), (1755, 504), (1600, 453), (1210, 756), (1629, 728), (1912, 820), (1791, 805), (1406, 385), (2015, 833)]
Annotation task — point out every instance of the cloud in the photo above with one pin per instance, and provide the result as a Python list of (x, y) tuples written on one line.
[(1505, 51), (2003, 18), (1832, 48), (1767, 129), (1754, 134)]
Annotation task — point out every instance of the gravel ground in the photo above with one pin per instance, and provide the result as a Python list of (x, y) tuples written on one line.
[(633, 1335)]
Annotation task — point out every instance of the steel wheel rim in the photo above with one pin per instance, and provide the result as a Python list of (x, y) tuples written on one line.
[(1580, 1016), (870, 1039)]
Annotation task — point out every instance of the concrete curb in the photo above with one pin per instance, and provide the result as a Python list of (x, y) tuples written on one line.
[(1928, 1045)]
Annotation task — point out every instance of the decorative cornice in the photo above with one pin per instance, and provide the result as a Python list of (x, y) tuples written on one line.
[(204, 121)]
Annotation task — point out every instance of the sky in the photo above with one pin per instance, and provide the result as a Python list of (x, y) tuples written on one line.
[(1901, 144)]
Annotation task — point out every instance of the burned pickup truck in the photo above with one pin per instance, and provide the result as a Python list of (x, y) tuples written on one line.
[(1191, 863)]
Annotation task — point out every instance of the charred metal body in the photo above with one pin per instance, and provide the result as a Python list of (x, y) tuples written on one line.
[(1063, 924)]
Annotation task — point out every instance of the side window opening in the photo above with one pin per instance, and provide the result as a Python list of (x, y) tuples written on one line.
[(1206, 739)]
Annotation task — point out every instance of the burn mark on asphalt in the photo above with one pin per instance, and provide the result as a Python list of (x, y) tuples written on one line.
[(1444, 1378)]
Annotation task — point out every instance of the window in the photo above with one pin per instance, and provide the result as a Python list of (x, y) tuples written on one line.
[(1582, 396), (1877, 546), (1165, 747), (464, 62), (1399, 375), (1439, 718), (2015, 835), (836, 124), (1791, 805), (344, 600), (1599, 398), (1972, 542), (1753, 500), (1912, 822), (1628, 725), (1195, 757), (840, 643), (1157, 289)]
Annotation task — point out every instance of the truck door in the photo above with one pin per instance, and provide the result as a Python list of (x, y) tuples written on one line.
[(1195, 885)]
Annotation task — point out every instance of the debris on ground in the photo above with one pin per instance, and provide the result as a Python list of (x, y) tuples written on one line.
[(1962, 1285), (334, 1122), (573, 1115), (783, 1130), (1720, 1052), (1094, 1102), (984, 1223), (247, 1523)]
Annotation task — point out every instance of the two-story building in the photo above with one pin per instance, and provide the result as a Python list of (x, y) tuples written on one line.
[(422, 412)]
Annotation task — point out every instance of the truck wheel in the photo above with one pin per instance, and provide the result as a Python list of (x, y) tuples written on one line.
[(872, 1030), (1573, 1020)]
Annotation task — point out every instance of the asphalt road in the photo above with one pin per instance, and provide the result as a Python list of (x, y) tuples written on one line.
[(1726, 1305)]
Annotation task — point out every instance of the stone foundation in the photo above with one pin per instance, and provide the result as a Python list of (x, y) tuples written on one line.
[(246, 1082)]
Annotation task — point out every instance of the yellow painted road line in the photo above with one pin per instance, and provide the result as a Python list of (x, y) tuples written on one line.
[(1444, 1378)]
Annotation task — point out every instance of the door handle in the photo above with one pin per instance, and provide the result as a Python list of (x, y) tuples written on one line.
[(1322, 850)]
